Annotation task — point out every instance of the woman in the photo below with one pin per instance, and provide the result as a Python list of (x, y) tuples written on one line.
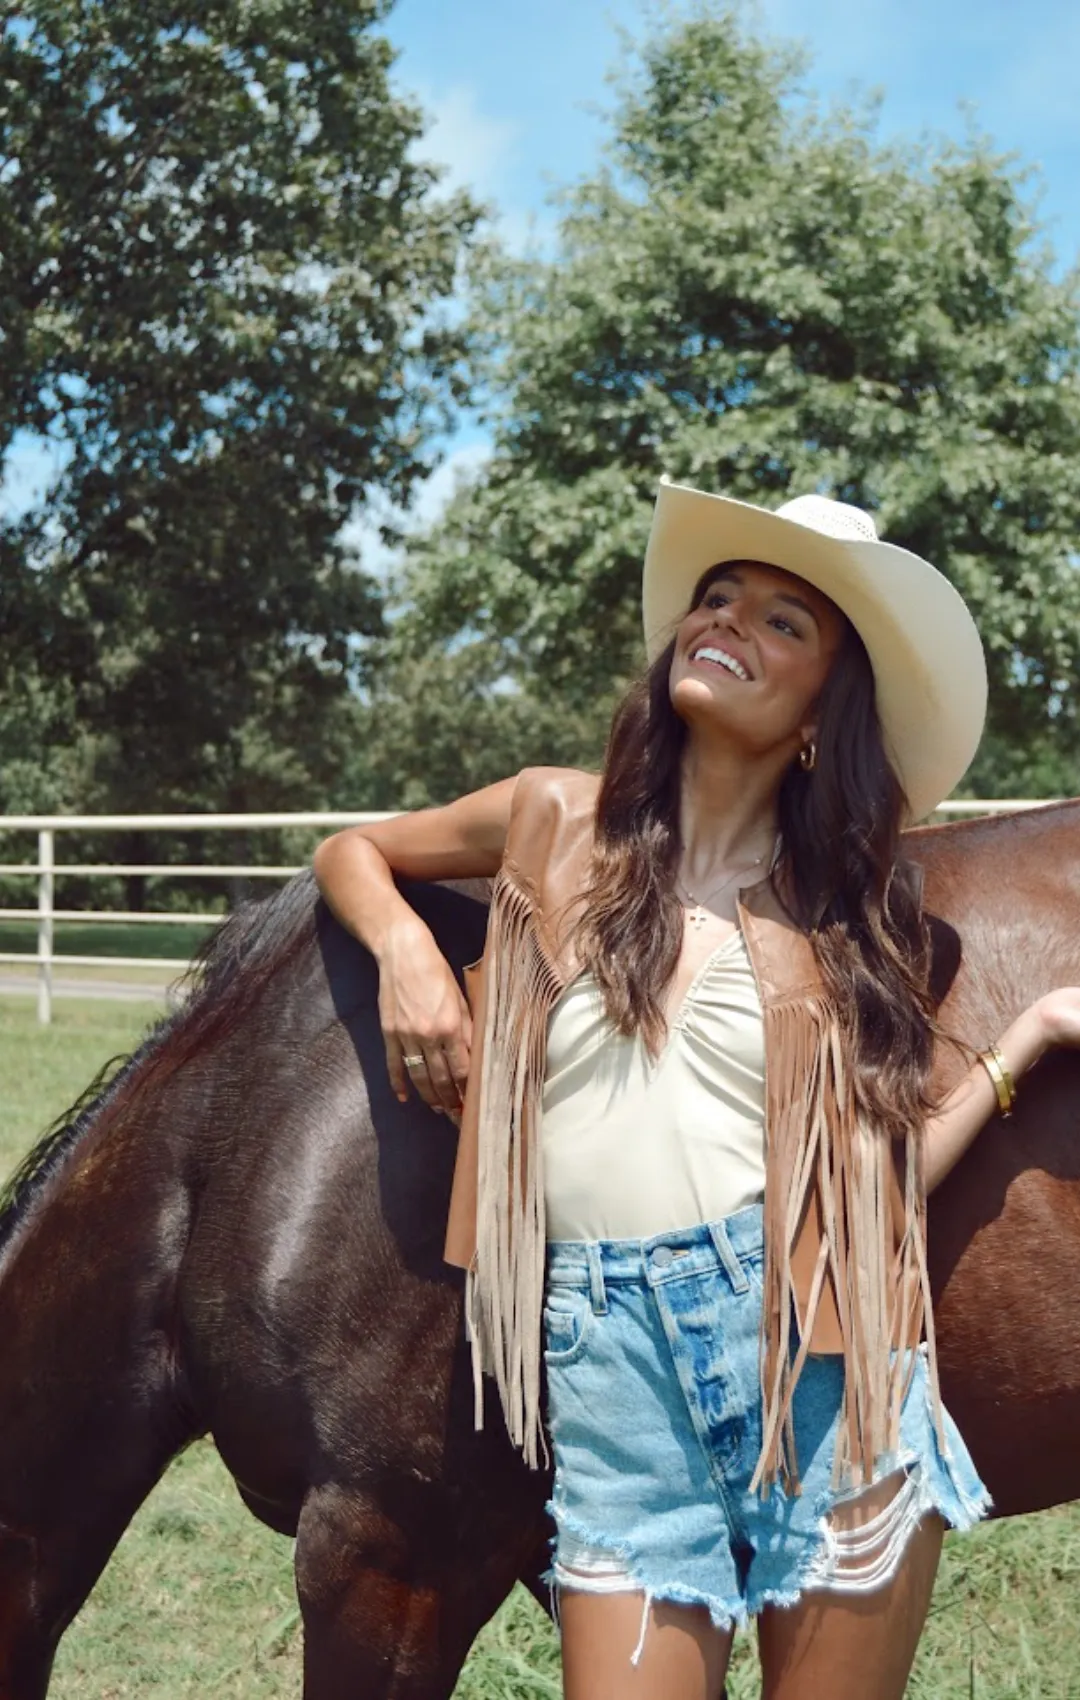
[(698, 1116)]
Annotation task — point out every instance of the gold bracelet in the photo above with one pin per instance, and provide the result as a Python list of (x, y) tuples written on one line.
[(1004, 1085)]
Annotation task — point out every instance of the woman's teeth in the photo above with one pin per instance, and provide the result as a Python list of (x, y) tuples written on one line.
[(722, 659)]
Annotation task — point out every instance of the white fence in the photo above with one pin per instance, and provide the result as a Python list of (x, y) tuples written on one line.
[(47, 870)]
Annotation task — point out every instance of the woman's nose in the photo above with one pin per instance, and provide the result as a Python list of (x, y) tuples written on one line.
[(730, 617)]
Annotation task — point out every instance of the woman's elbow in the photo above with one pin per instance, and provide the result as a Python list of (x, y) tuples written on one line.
[(328, 858)]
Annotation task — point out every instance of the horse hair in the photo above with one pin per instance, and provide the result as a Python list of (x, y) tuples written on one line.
[(227, 977)]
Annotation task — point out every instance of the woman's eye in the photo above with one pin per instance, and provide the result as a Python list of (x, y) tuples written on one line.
[(783, 625), (715, 598)]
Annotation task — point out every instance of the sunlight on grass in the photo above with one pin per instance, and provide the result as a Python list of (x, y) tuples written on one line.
[(44, 1069)]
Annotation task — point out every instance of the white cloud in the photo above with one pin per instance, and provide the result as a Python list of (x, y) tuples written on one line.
[(476, 150), (480, 153)]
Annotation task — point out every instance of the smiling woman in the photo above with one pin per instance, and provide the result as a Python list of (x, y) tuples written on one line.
[(697, 1131), (790, 695), (765, 628)]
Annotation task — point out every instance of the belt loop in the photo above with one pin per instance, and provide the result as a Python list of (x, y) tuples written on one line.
[(736, 1274), (597, 1292)]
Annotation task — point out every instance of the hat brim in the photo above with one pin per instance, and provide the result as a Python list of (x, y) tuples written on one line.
[(923, 645)]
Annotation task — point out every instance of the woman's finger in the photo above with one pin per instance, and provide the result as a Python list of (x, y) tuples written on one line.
[(457, 1061), (442, 1080), (395, 1068), (407, 1067), (415, 1059)]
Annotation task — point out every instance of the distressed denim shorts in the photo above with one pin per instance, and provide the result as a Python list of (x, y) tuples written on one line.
[(655, 1414)]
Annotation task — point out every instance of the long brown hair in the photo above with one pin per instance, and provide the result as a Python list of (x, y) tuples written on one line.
[(840, 874)]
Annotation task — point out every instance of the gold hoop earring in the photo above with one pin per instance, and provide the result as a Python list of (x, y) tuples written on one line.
[(808, 757)]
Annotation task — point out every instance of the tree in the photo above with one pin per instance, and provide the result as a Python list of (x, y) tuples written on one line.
[(761, 299), (442, 720), (221, 270)]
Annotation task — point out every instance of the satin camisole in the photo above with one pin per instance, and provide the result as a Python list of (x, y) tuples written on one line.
[(634, 1145)]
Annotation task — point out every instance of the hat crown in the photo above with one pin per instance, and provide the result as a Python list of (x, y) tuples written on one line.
[(833, 519)]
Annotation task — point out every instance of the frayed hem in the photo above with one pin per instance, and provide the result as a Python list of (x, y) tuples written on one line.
[(724, 1614), (974, 1508), (819, 1572), (936, 1477)]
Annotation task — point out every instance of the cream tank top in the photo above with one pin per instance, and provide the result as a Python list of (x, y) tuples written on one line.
[(633, 1145)]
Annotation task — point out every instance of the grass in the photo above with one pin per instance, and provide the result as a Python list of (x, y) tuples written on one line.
[(44, 1069), (198, 1597), (109, 938)]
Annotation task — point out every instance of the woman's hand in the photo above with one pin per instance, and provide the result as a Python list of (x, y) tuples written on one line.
[(423, 1014), (1053, 1019), (1059, 1015)]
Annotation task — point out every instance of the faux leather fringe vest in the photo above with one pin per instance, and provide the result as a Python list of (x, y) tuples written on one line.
[(845, 1260)]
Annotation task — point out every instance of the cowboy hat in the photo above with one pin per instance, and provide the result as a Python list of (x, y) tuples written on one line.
[(925, 651)]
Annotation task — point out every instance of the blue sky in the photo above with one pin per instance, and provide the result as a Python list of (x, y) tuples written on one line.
[(509, 86), (512, 90), (515, 93)]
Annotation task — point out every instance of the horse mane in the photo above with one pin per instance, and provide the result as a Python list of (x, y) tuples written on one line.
[(228, 976)]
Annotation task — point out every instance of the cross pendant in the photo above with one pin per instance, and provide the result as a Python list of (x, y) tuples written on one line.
[(698, 917)]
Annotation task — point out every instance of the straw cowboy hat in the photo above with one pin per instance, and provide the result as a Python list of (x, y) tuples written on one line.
[(929, 669)]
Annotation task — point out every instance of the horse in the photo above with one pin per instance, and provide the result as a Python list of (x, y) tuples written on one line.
[(238, 1233)]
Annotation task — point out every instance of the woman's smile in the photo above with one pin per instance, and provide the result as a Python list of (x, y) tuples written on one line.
[(712, 654)]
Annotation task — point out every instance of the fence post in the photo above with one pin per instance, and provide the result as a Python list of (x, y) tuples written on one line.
[(46, 847)]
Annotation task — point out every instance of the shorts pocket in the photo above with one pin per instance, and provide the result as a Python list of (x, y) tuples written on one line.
[(567, 1319)]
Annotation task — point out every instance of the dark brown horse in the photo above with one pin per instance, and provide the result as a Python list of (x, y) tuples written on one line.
[(240, 1235)]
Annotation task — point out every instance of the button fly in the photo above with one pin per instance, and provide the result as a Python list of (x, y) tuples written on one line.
[(662, 1256)]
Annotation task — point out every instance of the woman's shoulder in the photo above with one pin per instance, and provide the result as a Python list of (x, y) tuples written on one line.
[(555, 791), (551, 826)]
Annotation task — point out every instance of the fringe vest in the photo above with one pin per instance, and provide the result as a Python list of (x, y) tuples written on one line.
[(845, 1257)]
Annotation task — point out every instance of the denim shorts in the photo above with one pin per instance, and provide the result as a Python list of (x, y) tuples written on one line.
[(655, 1415)]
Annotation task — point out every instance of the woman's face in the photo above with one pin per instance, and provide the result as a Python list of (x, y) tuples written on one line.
[(752, 656)]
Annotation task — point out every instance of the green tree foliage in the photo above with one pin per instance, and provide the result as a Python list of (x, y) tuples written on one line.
[(440, 720), (221, 270), (761, 299)]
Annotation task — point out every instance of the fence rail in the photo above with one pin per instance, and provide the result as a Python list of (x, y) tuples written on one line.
[(47, 870)]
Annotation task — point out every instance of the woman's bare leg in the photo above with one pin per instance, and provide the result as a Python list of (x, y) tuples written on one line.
[(849, 1646), (682, 1658)]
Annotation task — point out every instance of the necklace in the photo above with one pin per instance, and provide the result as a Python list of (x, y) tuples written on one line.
[(699, 914)]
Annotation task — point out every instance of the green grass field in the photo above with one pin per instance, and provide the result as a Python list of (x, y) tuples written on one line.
[(110, 938), (198, 1597)]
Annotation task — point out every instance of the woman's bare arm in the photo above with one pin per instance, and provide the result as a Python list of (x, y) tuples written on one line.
[(1051, 1020), (422, 1011), (460, 840)]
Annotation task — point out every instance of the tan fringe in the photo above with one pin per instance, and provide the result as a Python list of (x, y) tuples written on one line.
[(504, 1286), (818, 1150), (818, 1156)]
